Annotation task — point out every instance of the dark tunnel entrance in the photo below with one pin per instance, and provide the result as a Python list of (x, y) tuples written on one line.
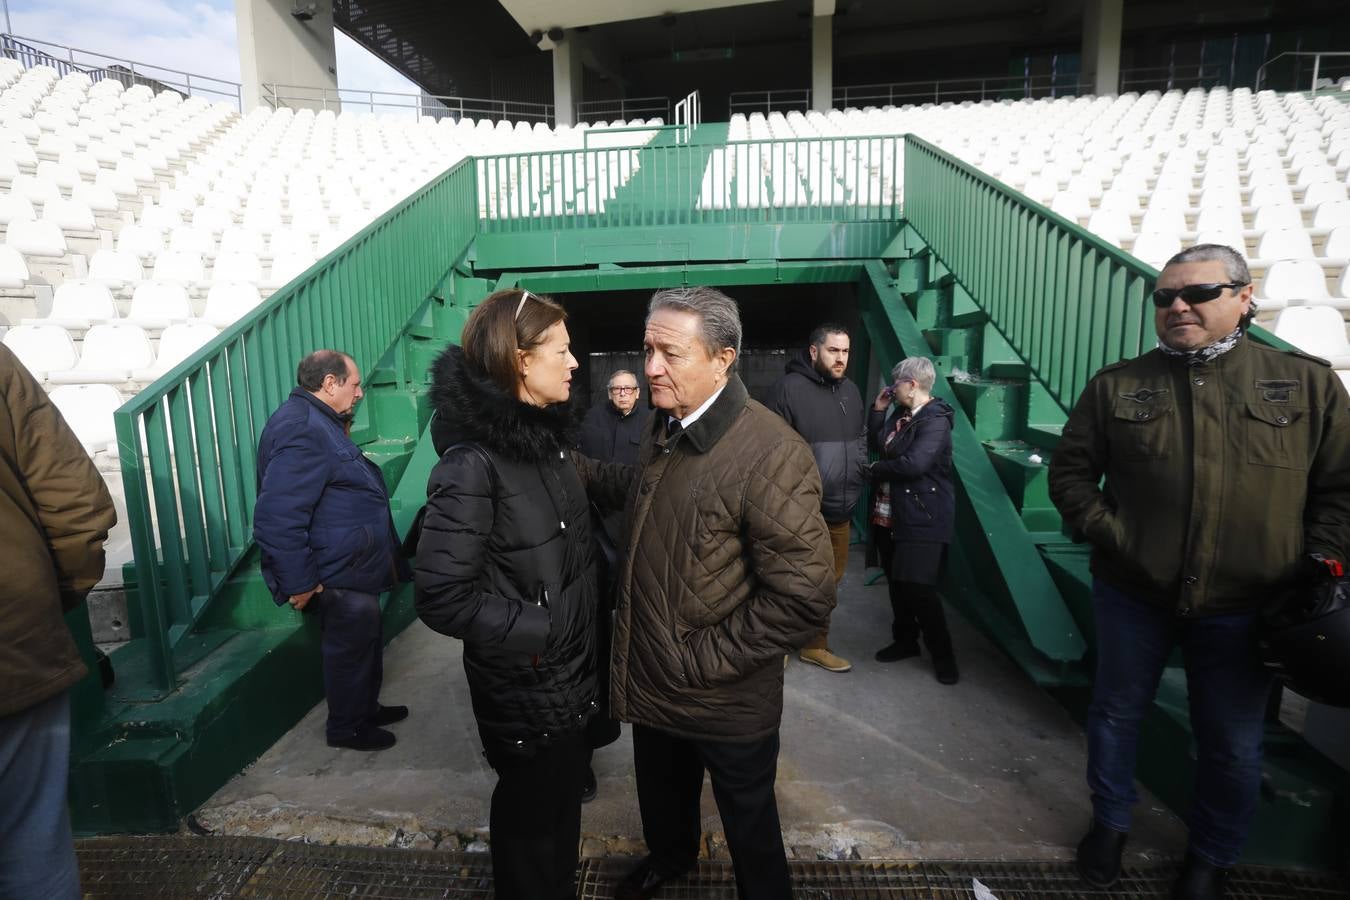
[(776, 320)]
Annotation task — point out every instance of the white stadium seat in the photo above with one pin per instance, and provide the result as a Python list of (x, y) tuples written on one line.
[(158, 304), (227, 301), (1318, 330), (111, 352), (13, 269), (177, 343), (180, 266), (15, 206), (36, 237), (69, 215), (88, 410), (78, 304), (1294, 281), (42, 348), (115, 268), (140, 241)]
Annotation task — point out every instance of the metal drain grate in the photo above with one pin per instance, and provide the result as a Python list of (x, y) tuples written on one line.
[(954, 881), (169, 866), (298, 871), (223, 867)]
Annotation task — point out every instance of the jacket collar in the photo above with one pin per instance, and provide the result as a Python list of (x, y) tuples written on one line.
[(714, 423), (319, 405)]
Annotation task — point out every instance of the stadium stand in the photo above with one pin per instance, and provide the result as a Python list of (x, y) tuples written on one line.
[(136, 224)]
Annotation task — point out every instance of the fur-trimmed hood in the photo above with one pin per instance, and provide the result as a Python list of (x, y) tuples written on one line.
[(469, 406)]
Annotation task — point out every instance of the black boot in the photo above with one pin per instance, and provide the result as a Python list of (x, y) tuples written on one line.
[(1098, 859), (589, 789), (894, 652), (1199, 880)]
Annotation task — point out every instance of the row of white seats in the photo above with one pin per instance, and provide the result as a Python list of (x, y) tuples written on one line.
[(115, 353), (154, 305)]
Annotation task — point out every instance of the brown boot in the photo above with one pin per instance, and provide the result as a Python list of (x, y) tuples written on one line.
[(825, 659)]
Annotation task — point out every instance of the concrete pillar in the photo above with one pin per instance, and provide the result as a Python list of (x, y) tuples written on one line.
[(277, 47), (567, 74), (1101, 45), (822, 63)]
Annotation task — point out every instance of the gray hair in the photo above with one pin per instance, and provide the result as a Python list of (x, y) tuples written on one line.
[(918, 369), (1234, 266), (719, 316), (617, 372)]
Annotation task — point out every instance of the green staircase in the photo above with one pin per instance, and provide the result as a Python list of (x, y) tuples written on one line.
[(1016, 306)]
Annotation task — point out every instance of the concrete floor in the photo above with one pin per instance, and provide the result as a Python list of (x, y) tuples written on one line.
[(879, 762)]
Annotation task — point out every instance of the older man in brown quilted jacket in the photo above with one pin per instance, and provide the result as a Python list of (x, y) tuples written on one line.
[(55, 513), (727, 567)]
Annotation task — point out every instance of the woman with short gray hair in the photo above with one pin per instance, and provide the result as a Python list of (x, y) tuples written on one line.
[(914, 510)]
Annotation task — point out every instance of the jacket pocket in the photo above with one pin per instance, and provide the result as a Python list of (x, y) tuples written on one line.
[(1141, 430), (1276, 436)]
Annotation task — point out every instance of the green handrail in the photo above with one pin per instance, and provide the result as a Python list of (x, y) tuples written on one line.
[(810, 180), (188, 442), (1066, 300)]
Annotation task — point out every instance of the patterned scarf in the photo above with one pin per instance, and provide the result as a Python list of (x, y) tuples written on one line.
[(881, 501), (1204, 354)]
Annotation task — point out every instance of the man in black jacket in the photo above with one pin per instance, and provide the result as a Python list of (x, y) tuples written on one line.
[(613, 428), (825, 408)]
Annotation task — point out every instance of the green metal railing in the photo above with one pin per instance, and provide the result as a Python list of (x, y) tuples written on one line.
[(1066, 300), (827, 179), (187, 443)]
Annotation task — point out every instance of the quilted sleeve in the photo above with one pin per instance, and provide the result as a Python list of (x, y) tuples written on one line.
[(792, 565)]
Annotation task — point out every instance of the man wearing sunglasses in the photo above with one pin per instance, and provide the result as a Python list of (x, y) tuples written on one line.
[(1225, 462)]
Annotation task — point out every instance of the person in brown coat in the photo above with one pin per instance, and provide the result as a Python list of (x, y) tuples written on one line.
[(726, 567), (55, 513)]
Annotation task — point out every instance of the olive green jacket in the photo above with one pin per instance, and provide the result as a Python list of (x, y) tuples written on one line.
[(1219, 477), (55, 513)]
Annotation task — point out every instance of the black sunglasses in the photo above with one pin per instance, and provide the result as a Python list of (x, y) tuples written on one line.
[(1193, 293)]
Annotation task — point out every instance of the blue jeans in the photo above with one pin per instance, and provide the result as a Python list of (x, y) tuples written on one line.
[(1227, 687), (353, 658), (37, 853)]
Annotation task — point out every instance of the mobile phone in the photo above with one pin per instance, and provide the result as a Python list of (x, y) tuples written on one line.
[(888, 391)]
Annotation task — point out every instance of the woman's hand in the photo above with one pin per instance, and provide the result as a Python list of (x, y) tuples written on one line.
[(883, 399)]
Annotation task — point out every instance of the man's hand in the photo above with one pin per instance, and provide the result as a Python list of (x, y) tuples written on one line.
[(299, 601)]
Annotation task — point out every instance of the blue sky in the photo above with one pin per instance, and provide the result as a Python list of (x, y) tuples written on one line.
[(196, 36)]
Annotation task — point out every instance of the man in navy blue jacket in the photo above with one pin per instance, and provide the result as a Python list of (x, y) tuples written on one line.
[(328, 542)]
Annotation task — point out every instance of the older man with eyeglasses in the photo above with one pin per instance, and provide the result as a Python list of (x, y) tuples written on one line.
[(1225, 462), (613, 427)]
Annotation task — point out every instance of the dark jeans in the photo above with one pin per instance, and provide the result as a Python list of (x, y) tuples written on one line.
[(669, 783), (536, 819), (353, 658), (1228, 690), (37, 853), (916, 608)]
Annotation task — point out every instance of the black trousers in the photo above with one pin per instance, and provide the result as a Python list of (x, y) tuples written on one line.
[(916, 607), (669, 782), (535, 820), (353, 658)]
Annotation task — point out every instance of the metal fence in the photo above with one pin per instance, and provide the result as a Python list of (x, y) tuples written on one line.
[(98, 66), (421, 106), (624, 108), (187, 443), (845, 179), (1314, 68)]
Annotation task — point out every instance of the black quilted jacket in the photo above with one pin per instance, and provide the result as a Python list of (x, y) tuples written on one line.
[(505, 559)]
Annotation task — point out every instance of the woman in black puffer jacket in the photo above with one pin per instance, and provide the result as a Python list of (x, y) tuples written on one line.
[(505, 562)]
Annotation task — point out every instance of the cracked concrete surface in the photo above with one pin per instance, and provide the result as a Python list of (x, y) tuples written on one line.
[(878, 763)]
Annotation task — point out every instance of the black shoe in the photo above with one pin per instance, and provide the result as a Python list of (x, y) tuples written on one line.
[(388, 715), (1098, 859), (896, 652), (946, 671), (1199, 880), (589, 788), (643, 882), (366, 739)]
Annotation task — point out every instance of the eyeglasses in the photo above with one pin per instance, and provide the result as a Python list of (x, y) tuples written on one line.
[(623, 390), (1193, 293)]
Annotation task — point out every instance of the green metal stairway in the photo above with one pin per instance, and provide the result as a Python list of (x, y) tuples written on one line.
[(1016, 306)]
